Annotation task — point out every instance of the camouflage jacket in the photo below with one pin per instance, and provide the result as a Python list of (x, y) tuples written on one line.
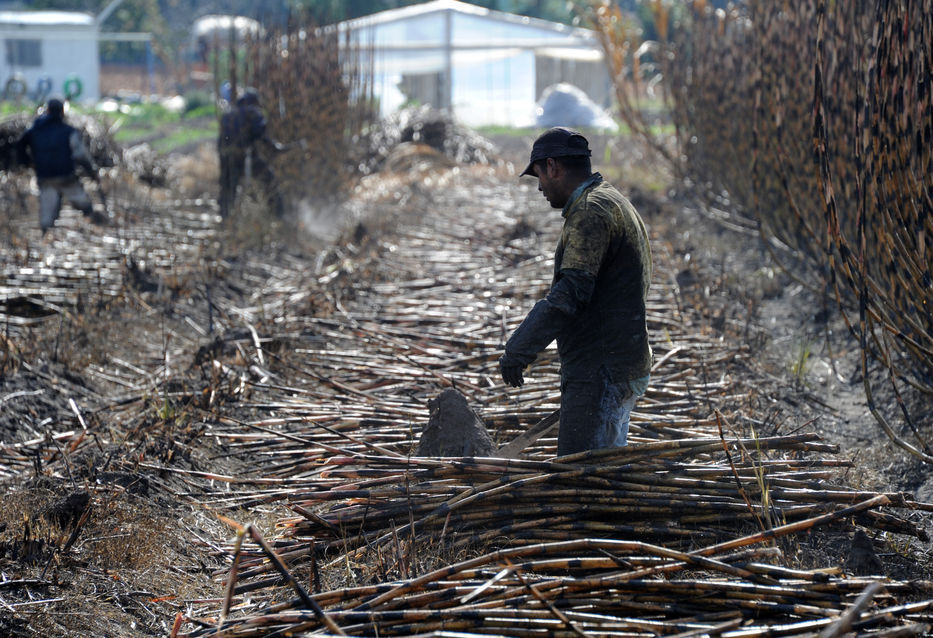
[(603, 235)]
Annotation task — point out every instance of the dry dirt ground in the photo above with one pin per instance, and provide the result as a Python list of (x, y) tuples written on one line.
[(145, 332)]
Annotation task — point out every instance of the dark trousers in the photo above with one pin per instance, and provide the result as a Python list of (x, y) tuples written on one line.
[(594, 413), (232, 172)]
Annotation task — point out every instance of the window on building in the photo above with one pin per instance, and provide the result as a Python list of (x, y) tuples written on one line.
[(23, 52)]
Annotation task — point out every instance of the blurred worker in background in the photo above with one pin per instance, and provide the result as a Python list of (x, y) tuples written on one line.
[(596, 304), (55, 149), (240, 130)]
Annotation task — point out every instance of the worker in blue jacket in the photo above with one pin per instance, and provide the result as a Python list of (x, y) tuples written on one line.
[(55, 149)]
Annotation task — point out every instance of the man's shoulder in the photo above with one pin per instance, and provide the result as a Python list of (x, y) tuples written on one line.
[(57, 125), (45, 126), (604, 191), (600, 198), (250, 111), (606, 197)]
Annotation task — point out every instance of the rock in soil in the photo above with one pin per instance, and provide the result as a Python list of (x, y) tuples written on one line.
[(453, 429)]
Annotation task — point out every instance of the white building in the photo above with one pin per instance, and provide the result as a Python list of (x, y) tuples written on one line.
[(49, 52), (484, 66)]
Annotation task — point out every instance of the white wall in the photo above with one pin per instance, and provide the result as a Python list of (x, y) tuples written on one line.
[(500, 92), (491, 57), (65, 51)]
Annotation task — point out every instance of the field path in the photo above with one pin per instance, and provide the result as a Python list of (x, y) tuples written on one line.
[(282, 388)]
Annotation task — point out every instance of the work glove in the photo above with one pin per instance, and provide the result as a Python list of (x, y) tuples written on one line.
[(533, 335), (546, 320), (511, 367)]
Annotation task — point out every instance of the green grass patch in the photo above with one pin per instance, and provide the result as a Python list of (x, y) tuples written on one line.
[(139, 121), (502, 130), (12, 108), (185, 136), (164, 129), (623, 130)]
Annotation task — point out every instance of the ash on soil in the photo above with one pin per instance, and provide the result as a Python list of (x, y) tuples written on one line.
[(143, 542)]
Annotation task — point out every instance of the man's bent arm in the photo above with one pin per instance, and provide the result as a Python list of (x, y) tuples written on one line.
[(550, 316), (80, 155)]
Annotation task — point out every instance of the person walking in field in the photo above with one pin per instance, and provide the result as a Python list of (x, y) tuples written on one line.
[(241, 131), (55, 149), (595, 308)]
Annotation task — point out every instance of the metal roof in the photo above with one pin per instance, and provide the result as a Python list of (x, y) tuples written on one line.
[(466, 9), (46, 19)]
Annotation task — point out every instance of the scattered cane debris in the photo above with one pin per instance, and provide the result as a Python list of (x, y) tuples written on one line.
[(245, 427)]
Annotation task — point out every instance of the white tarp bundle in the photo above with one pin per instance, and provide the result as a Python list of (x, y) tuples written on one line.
[(564, 104)]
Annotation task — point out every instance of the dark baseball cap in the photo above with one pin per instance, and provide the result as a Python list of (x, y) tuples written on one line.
[(55, 106), (557, 142)]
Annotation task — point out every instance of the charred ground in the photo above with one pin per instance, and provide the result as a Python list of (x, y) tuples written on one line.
[(146, 364)]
